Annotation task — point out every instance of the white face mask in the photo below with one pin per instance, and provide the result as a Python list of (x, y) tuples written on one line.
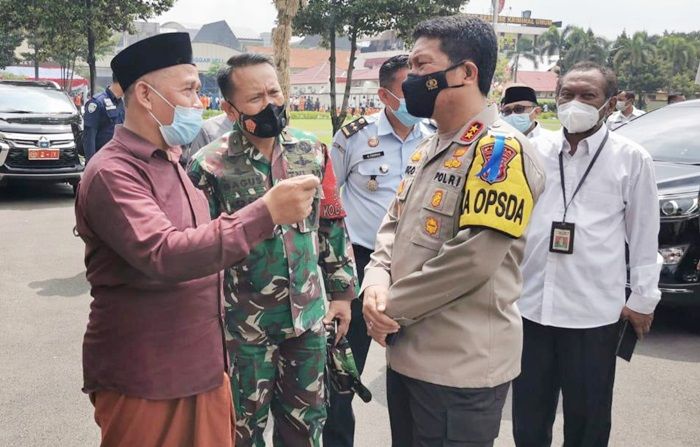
[(621, 105), (578, 117)]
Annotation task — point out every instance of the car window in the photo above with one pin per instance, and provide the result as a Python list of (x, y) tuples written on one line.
[(669, 134), (34, 100)]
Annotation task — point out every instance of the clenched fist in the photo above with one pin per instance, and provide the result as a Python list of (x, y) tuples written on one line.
[(290, 200)]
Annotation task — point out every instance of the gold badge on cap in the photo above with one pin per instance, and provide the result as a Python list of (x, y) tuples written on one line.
[(373, 141)]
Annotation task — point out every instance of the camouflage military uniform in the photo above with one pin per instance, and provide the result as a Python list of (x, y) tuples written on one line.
[(275, 298)]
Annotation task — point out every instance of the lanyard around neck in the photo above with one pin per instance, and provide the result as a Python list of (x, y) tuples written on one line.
[(585, 174)]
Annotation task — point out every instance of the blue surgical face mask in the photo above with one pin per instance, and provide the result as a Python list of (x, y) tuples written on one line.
[(520, 121), (402, 114), (187, 122)]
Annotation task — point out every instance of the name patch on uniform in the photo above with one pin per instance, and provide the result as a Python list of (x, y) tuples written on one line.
[(505, 204), (448, 179), (372, 155)]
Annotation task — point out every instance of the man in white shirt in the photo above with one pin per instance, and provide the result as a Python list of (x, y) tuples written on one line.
[(574, 266), (520, 109), (626, 111)]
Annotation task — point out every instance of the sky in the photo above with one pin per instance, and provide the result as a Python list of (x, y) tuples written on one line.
[(606, 17)]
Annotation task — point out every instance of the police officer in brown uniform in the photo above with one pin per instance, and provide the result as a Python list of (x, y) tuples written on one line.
[(443, 279)]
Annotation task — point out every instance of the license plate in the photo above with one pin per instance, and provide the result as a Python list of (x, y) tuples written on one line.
[(44, 154)]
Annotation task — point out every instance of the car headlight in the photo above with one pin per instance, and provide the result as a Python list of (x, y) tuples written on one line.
[(673, 255), (680, 205)]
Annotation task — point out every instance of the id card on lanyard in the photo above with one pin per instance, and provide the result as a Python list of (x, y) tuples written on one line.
[(561, 238)]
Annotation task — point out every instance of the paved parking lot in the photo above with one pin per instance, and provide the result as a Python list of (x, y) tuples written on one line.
[(43, 312)]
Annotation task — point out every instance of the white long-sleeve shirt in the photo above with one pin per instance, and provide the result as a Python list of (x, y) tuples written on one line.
[(617, 203)]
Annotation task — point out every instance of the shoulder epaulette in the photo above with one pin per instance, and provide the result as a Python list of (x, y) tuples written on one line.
[(353, 127)]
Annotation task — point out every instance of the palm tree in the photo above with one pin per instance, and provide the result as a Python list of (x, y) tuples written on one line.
[(523, 48), (553, 41), (584, 46), (286, 10), (637, 51), (680, 54)]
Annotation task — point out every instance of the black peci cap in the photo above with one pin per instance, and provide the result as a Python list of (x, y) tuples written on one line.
[(519, 93), (151, 54)]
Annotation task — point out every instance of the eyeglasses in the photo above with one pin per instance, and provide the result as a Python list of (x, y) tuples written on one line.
[(515, 109)]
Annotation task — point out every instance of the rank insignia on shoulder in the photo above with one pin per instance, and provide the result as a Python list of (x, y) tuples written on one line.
[(472, 133), (352, 128)]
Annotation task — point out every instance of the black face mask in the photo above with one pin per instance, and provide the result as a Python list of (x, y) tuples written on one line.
[(268, 123), (421, 92)]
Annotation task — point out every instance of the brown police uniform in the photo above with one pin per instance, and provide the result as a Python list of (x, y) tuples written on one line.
[(449, 250)]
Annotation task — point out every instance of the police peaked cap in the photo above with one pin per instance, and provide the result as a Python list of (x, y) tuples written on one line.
[(151, 54), (519, 93)]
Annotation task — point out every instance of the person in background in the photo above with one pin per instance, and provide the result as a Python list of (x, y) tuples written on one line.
[(625, 110), (214, 127), (520, 109), (674, 98), (102, 113), (369, 157), (600, 197)]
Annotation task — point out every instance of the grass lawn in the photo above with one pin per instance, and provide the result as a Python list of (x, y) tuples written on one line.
[(551, 123), (324, 131), (320, 127)]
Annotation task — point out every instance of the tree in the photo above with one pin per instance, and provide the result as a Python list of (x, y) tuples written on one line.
[(583, 45), (45, 22), (10, 38), (554, 42), (286, 11), (637, 64), (526, 49), (638, 51), (679, 52), (100, 17), (356, 18)]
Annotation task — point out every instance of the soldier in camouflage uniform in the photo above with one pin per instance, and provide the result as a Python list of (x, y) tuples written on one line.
[(276, 298)]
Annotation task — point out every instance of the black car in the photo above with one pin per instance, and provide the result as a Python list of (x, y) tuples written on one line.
[(40, 134), (672, 137)]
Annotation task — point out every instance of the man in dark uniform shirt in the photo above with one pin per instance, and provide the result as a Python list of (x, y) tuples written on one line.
[(102, 113)]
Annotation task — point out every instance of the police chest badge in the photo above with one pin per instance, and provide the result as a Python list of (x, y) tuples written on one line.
[(497, 195), (372, 184)]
